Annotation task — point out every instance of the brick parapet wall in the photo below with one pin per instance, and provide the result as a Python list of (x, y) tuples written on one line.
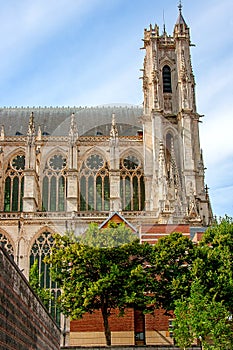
[(24, 322), (154, 347)]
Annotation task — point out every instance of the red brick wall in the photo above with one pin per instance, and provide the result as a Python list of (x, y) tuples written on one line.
[(151, 233), (94, 322), (157, 321), (24, 322)]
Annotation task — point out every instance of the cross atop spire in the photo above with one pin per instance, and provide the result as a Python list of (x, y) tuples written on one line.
[(180, 7), (180, 19)]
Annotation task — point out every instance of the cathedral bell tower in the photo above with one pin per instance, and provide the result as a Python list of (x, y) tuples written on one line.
[(174, 169)]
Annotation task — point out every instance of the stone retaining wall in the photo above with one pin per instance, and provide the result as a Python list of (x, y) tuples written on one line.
[(24, 322)]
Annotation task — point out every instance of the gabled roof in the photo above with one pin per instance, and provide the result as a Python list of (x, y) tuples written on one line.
[(117, 217)]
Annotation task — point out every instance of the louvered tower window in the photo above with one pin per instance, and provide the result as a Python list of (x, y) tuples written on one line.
[(167, 84)]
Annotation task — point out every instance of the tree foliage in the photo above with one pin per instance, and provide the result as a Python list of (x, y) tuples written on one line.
[(109, 269), (94, 278), (171, 263), (214, 263), (202, 317), (112, 236), (207, 312), (34, 281)]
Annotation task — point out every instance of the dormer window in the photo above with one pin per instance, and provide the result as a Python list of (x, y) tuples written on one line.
[(167, 85)]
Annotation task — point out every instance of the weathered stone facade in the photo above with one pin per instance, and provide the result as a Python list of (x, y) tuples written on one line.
[(24, 322)]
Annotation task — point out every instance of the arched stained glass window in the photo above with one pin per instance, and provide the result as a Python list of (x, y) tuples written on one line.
[(94, 184), (6, 244), (14, 184), (167, 83), (39, 250), (132, 184), (54, 184)]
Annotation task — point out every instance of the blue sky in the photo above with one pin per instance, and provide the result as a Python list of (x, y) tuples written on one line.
[(87, 53)]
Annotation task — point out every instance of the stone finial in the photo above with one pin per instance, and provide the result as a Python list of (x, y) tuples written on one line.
[(162, 167), (73, 133), (113, 131), (31, 125), (39, 133), (193, 210), (2, 134)]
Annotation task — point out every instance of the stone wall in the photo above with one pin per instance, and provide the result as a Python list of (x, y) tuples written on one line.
[(24, 322)]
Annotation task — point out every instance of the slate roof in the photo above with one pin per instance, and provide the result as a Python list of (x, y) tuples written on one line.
[(56, 121)]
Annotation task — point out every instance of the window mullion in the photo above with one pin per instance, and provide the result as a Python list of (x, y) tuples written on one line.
[(139, 192), (57, 192), (11, 197), (49, 191), (131, 192), (19, 194), (94, 191)]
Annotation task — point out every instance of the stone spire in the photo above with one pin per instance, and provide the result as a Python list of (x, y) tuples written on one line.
[(73, 133), (31, 195), (30, 154), (113, 143), (162, 174), (31, 125), (113, 131), (180, 19), (181, 29)]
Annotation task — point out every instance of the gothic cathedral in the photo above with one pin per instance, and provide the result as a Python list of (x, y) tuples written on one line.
[(62, 168)]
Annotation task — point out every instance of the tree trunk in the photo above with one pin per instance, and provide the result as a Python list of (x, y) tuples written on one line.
[(107, 331)]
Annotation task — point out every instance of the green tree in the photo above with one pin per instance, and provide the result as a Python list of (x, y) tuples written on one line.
[(214, 263), (94, 278), (171, 264), (34, 281), (202, 317), (111, 236)]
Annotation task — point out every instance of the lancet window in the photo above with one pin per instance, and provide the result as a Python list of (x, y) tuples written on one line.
[(94, 185), (167, 84), (40, 249), (169, 142), (132, 184), (54, 184), (14, 184)]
